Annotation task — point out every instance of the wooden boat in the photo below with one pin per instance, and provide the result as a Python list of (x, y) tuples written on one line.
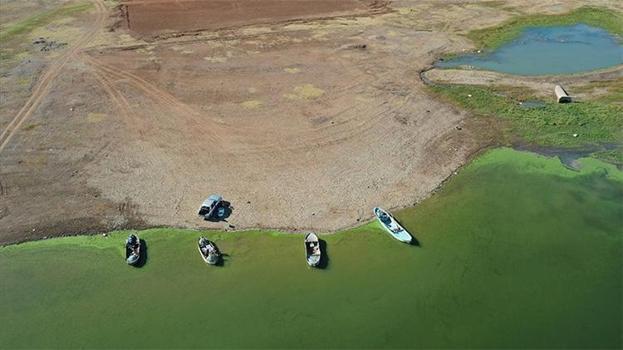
[(392, 226), (208, 250), (312, 249), (132, 250)]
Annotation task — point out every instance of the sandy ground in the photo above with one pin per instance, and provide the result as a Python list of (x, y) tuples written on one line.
[(542, 86), (303, 124)]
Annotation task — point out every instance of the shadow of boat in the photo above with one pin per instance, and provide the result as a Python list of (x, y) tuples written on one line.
[(221, 260), (324, 257), (415, 242), (142, 258)]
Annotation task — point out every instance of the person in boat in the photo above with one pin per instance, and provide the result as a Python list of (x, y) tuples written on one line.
[(385, 218)]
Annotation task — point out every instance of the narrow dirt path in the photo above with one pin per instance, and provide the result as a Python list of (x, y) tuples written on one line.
[(45, 82)]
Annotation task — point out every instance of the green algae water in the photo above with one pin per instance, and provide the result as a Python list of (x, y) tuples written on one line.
[(516, 251)]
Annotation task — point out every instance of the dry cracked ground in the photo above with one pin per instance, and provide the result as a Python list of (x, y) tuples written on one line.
[(304, 118)]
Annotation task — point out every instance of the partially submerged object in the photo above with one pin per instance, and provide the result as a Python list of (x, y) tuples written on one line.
[(209, 251), (210, 206), (132, 250), (561, 94), (392, 226), (312, 249)]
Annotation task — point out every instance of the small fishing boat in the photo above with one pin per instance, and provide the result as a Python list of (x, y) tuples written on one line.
[(312, 249), (392, 226), (208, 250), (132, 250)]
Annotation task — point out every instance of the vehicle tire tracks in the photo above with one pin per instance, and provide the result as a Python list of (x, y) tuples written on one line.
[(154, 92), (44, 85)]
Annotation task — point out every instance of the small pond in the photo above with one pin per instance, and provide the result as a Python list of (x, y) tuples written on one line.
[(549, 51)]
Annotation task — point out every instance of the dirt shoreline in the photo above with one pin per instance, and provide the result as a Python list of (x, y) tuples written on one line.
[(142, 226), (542, 86)]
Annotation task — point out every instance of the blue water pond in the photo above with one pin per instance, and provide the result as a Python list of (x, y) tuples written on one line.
[(549, 51)]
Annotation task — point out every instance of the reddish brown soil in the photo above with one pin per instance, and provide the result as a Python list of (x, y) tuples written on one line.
[(152, 17)]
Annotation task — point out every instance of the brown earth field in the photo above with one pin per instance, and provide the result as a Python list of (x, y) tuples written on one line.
[(162, 17), (303, 117)]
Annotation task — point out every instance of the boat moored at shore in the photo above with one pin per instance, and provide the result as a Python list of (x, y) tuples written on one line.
[(312, 249), (392, 226), (132, 250), (209, 251)]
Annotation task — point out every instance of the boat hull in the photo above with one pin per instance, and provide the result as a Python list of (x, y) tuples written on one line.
[(313, 254), (392, 226), (213, 255), (132, 250)]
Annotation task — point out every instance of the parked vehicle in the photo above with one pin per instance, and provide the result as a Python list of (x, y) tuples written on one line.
[(210, 206)]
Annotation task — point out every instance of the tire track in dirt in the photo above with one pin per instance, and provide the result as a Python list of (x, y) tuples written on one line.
[(118, 99), (44, 85), (302, 141), (170, 101), (140, 83), (158, 95), (299, 139)]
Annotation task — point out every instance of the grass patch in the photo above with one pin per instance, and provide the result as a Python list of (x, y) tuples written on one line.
[(552, 125), (14, 30), (612, 90), (614, 156), (493, 37), (30, 127)]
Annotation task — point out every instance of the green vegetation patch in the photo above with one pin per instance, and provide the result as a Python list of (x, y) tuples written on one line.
[(554, 124), (614, 156), (13, 30), (612, 90), (517, 251), (493, 37)]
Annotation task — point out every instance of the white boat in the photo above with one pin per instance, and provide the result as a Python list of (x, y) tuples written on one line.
[(392, 226), (312, 249), (208, 250)]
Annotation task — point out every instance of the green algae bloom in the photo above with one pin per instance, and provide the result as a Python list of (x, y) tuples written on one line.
[(516, 251)]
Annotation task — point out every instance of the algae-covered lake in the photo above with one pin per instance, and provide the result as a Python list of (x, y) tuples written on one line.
[(549, 50), (516, 251)]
